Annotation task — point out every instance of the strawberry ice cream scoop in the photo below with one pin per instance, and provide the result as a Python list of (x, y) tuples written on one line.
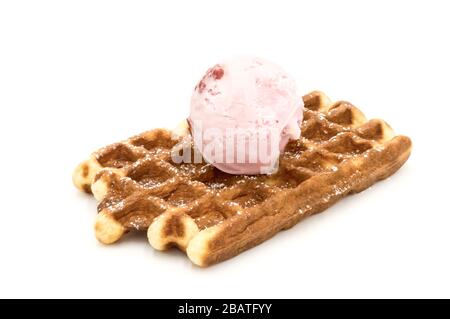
[(243, 113)]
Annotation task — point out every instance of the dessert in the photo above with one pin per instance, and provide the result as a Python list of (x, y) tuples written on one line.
[(213, 215), (243, 113)]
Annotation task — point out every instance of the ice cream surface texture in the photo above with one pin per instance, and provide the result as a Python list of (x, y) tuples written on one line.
[(243, 113)]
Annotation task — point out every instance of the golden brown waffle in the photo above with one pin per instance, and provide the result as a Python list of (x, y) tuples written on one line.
[(213, 215)]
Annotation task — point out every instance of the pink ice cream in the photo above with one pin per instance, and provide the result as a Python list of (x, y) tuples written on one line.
[(243, 113)]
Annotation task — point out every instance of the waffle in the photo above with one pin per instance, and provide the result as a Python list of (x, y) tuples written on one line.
[(213, 216)]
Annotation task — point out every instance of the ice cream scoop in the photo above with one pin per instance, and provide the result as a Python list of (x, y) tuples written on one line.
[(243, 113)]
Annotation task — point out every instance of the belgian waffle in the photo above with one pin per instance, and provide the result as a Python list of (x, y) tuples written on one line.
[(213, 215)]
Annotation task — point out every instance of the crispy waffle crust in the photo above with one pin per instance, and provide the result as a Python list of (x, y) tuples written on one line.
[(213, 215)]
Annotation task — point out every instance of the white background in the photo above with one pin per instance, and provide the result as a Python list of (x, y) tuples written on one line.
[(77, 75)]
